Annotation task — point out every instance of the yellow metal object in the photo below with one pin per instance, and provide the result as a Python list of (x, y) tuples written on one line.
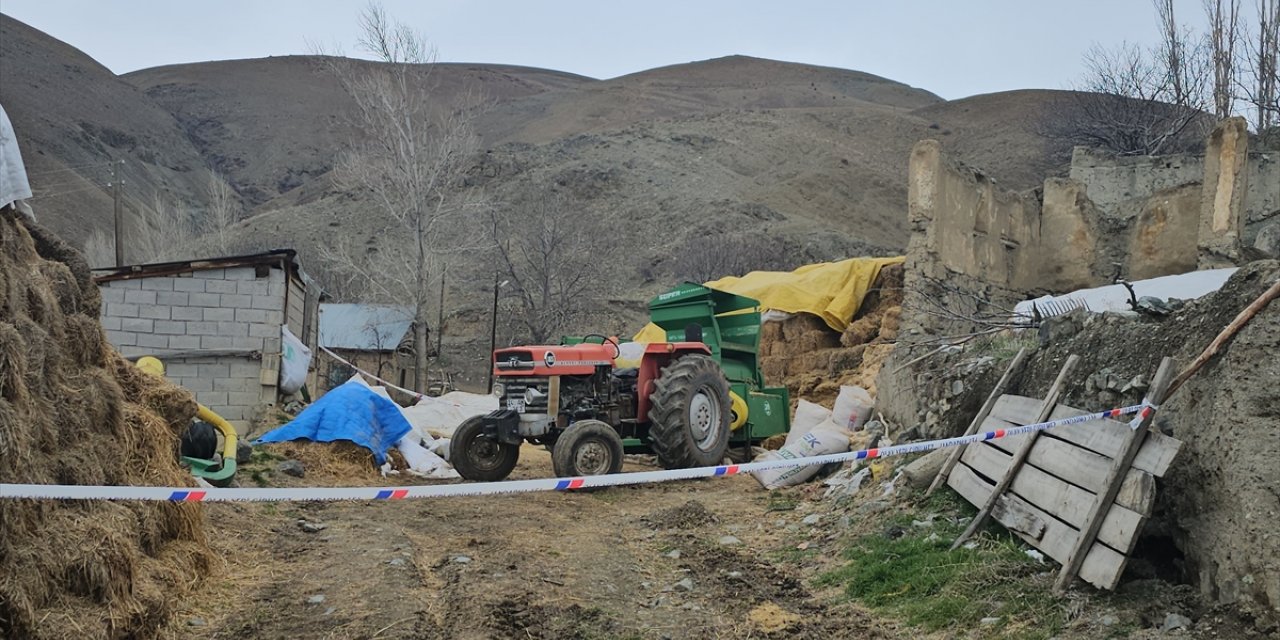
[(154, 367), (228, 431), (151, 365), (739, 408)]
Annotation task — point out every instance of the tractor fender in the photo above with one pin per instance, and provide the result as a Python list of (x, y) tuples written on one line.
[(656, 356)]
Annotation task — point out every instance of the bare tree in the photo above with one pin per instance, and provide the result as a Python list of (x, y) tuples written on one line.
[(1131, 103), (705, 258), (1260, 84), (1224, 31), (165, 231), (556, 258), (409, 160), (221, 213)]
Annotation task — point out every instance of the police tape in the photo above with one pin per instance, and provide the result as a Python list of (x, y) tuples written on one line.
[(189, 494)]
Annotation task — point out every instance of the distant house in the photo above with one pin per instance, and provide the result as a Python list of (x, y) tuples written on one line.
[(215, 323), (376, 338)]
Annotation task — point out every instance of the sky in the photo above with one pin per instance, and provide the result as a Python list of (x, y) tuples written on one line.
[(950, 47)]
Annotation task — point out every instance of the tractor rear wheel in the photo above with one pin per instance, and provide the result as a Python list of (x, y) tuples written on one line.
[(587, 448), (689, 413), (478, 457)]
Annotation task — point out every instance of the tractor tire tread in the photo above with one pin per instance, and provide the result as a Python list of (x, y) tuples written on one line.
[(669, 435)]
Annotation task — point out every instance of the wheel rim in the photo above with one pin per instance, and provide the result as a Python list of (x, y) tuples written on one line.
[(485, 454), (592, 458), (704, 419)]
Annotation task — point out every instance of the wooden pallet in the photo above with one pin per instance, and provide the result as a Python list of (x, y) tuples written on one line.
[(1048, 487)]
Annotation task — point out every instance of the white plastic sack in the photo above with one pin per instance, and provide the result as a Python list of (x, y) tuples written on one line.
[(853, 407), (826, 438), (808, 415), (421, 461), (443, 414), (629, 354), (295, 357)]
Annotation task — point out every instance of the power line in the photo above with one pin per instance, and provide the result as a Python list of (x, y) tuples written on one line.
[(71, 168), (66, 193)]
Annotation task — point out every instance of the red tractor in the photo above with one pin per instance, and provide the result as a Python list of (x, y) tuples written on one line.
[(685, 403)]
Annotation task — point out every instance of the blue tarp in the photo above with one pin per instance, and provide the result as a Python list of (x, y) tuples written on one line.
[(349, 412)]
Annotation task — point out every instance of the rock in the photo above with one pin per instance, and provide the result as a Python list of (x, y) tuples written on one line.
[(673, 554), (195, 622), (312, 527), (244, 452), (875, 506), (812, 519), (957, 387), (1175, 621), (1268, 239), (988, 621), (396, 562), (461, 560), (316, 599), (1109, 620), (921, 472), (1151, 305), (292, 467), (685, 584), (1136, 383), (729, 541)]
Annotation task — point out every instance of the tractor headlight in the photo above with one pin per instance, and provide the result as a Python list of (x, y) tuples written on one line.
[(498, 389), (532, 396)]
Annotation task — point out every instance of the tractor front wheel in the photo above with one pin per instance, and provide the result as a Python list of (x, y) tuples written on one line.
[(587, 448), (478, 457), (689, 413)]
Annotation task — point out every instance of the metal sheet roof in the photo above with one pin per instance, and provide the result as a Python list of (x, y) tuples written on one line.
[(364, 327)]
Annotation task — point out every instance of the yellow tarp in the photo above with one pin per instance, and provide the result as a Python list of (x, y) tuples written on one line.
[(832, 291)]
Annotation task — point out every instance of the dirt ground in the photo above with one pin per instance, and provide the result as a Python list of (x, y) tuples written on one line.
[(649, 561)]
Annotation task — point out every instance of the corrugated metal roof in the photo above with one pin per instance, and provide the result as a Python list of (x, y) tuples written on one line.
[(364, 327)]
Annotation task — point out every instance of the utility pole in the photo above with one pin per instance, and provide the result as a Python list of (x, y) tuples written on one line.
[(493, 326), (440, 320), (117, 183)]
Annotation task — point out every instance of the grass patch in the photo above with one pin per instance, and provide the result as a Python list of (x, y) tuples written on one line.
[(1004, 346), (778, 501), (910, 573)]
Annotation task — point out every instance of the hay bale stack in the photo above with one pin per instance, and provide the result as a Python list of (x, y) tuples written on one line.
[(72, 411), (813, 361)]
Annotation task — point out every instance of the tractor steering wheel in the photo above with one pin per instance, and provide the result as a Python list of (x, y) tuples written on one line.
[(617, 350)]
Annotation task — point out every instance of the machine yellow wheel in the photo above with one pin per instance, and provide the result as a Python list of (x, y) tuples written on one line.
[(737, 411)]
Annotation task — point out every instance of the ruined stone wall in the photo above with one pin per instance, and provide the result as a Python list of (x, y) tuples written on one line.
[(1262, 203), (968, 233)]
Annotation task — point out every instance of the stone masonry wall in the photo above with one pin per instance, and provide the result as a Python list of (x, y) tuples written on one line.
[(217, 331)]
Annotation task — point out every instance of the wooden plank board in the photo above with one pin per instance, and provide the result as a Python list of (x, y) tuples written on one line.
[(1055, 497), (1105, 437), (1079, 466), (1102, 566), (1100, 508)]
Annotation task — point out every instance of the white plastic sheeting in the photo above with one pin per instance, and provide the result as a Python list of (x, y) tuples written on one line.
[(1184, 286), (13, 175)]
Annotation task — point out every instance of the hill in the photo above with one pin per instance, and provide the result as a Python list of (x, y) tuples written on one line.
[(74, 118), (795, 162)]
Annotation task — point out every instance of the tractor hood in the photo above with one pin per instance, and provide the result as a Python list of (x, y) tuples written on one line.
[(546, 360)]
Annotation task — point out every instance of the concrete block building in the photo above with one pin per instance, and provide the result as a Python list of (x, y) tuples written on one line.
[(215, 323)]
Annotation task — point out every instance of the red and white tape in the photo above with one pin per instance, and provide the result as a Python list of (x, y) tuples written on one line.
[(188, 494)]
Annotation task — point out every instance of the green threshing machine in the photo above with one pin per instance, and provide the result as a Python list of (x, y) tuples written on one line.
[(690, 399)]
